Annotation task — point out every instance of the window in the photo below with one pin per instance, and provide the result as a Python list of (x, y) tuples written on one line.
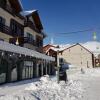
[(40, 43), (2, 23), (3, 70), (14, 27), (61, 60), (2, 20), (17, 29), (30, 36), (27, 70), (3, 3)]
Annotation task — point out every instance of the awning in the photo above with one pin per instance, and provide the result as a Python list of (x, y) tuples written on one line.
[(5, 46)]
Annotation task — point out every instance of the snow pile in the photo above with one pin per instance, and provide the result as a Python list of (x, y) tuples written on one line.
[(45, 78), (32, 87), (46, 89)]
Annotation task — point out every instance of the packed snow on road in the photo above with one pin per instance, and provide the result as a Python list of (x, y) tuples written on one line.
[(46, 88)]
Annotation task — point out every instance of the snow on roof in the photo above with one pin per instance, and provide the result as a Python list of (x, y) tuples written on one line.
[(92, 46), (25, 13), (61, 47), (56, 49), (20, 3), (21, 50)]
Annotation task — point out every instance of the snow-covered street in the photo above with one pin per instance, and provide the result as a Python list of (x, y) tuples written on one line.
[(91, 85), (80, 87)]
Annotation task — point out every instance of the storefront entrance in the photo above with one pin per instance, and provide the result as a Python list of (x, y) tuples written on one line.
[(27, 71), (3, 71)]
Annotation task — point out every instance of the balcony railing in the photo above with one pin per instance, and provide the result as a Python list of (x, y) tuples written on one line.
[(30, 41), (31, 25), (22, 40), (9, 9), (5, 29)]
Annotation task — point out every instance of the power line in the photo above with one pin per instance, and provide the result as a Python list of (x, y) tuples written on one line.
[(80, 31)]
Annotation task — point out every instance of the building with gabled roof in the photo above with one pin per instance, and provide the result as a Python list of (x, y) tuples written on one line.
[(21, 44), (78, 56)]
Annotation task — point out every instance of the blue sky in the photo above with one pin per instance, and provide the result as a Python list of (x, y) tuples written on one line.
[(63, 16)]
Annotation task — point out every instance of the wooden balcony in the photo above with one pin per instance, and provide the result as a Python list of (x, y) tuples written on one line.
[(9, 9), (30, 41), (5, 29), (22, 41), (31, 25)]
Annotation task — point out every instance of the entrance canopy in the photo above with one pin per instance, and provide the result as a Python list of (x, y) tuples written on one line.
[(5, 46)]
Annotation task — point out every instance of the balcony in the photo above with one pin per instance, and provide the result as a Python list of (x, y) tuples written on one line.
[(30, 41), (9, 9), (31, 25), (22, 40), (5, 29)]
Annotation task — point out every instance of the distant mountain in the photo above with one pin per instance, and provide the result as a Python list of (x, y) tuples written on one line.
[(93, 46)]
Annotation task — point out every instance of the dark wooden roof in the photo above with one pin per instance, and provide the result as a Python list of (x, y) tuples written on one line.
[(46, 47), (36, 18), (16, 5)]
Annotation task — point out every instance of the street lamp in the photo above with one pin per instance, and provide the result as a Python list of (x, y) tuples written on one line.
[(17, 42)]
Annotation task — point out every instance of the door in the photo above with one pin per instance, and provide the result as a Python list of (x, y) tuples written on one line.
[(3, 70)]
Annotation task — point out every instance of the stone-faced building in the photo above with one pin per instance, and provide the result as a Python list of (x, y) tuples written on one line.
[(78, 56), (24, 29)]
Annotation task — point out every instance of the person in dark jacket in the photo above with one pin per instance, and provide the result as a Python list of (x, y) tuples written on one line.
[(62, 74)]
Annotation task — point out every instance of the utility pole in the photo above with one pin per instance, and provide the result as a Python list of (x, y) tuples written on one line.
[(58, 65)]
